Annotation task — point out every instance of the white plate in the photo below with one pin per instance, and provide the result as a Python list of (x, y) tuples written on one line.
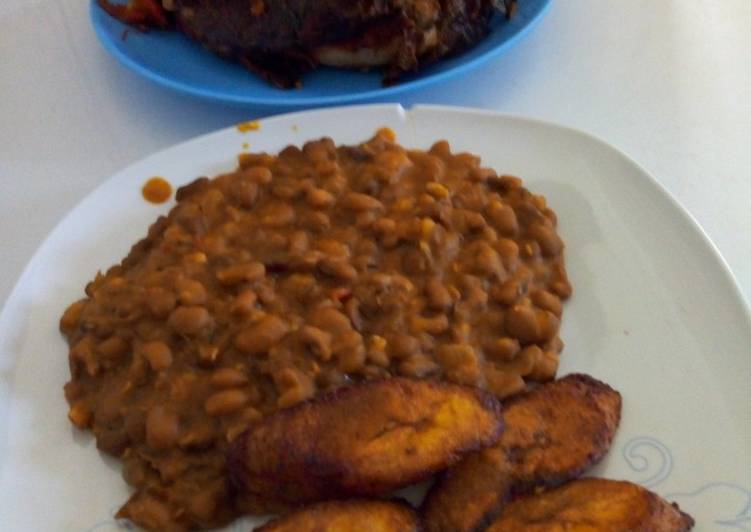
[(655, 313)]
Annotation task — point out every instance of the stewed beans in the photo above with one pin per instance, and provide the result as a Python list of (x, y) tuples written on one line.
[(297, 274)]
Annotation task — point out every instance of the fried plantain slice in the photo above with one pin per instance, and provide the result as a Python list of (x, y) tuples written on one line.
[(592, 505), (552, 434), (362, 440), (344, 516)]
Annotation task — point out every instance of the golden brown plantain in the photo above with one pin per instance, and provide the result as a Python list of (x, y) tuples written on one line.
[(592, 505), (344, 516), (362, 440), (552, 434)]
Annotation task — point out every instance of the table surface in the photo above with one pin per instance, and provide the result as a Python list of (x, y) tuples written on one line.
[(669, 83)]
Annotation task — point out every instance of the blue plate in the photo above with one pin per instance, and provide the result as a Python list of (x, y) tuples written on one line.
[(172, 60)]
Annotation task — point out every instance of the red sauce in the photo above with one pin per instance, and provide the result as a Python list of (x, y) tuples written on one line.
[(157, 190)]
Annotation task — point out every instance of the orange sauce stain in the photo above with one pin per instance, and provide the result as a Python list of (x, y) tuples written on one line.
[(253, 125), (295, 128), (246, 145), (157, 190)]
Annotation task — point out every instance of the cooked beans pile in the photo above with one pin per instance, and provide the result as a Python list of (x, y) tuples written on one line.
[(297, 274)]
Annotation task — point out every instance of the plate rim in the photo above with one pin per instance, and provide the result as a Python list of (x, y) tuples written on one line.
[(269, 102)]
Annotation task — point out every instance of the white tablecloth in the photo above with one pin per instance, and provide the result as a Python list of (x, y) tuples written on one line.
[(666, 81)]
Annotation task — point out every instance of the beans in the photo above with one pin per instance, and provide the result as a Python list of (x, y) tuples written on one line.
[(509, 251), (360, 202), (300, 286), (364, 220), (530, 249), (377, 351), (160, 301), (317, 340), (247, 417), (332, 248), (72, 315), (531, 325), (547, 301), (331, 320), (225, 402), (244, 303), (502, 216), (113, 350), (437, 294), (437, 190), (402, 346), (418, 366), (403, 205), (510, 182), (248, 272), (433, 325), (195, 187), (441, 149), (482, 174), (526, 360), (503, 383), (80, 415), (208, 355), (384, 227), (299, 242), (560, 284), (258, 174), (135, 425), (277, 215), (158, 354), (466, 221), (349, 351), (191, 292), (545, 367), (487, 262), (189, 320), (502, 349), (293, 386), (228, 378), (460, 363), (202, 505), (258, 338), (244, 192), (506, 293), (324, 150), (319, 198), (198, 436), (287, 190), (550, 243), (162, 428), (317, 221)]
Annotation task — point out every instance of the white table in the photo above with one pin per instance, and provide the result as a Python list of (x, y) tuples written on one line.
[(667, 82)]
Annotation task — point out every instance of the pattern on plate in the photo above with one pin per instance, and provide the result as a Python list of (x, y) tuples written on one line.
[(714, 504), (650, 456)]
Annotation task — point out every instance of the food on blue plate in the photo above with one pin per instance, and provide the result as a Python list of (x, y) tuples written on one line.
[(297, 274), (553, 434), (282, 40), (592, 505), (365, 440), (362, 515)]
